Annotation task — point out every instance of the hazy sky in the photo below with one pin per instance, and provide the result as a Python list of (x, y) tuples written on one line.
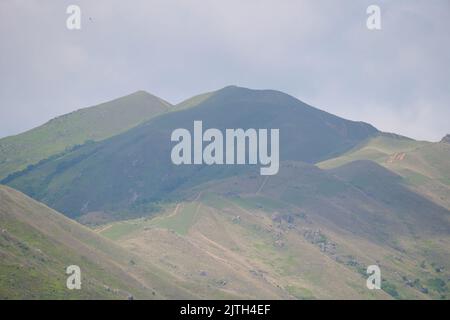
[(397, 79)]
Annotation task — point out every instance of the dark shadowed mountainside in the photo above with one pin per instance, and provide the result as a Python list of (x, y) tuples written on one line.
[(130, 172)]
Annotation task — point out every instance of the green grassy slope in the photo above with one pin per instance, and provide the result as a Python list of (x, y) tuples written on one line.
[(193, 101), (129, 172), (426, 170), (37, 244), (379, 149), (425, 166), (94, 123)]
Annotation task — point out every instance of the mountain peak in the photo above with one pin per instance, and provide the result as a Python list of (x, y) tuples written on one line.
[(140, 93), (235, 88)]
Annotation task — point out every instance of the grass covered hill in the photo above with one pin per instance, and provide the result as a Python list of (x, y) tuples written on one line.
[(37, 244), (131, 171), (88, 124), (424, 166)]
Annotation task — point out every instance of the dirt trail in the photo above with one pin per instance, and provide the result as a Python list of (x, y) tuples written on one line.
[(174, 211), (198, 196), (400, 156), (177, 207), (104, 228)]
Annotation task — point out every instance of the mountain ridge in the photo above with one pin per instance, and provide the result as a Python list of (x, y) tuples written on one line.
[(92, 123), (134, 168)]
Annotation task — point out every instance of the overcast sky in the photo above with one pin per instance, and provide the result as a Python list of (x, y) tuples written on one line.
[(321, 52)]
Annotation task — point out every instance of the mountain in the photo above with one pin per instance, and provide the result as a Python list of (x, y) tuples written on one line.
[(379, 148), (226, 242), (416, 214), (88, 124), (132, 171), (308, 232), (424, 166), (346, 196), (37, 244), (361, 198)]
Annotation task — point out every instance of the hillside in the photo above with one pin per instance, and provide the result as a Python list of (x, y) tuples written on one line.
[(37, 244), (308, 232), (424, 166), (130, 172), (193, 101), (359, 214), (361, 198), (217, 241), (380, 149), (88, 124)]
